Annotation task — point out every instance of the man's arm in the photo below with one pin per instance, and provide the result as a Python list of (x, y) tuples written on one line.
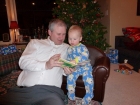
[(28, 59)]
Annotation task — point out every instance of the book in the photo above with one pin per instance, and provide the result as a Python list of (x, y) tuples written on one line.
[(71, 64), (67, 63)]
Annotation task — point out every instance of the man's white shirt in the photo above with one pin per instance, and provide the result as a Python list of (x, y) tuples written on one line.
[(33, 62)]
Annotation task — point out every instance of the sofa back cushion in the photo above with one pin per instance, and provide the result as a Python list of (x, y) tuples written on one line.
[(133, 45), (4, 50), (9, 62), (126, 43), (94, 53)]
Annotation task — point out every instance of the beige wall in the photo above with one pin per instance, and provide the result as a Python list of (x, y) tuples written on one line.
[(121, 13), (105, 8)]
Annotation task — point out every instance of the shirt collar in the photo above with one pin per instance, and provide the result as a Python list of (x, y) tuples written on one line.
[(53, 44)]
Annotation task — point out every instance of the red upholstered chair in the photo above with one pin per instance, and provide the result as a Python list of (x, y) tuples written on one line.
[(101, 70)]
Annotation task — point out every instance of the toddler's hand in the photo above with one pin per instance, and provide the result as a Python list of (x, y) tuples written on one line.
[(73, 61)]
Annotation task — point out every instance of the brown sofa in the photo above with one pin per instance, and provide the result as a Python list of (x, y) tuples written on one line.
[(101, 71)]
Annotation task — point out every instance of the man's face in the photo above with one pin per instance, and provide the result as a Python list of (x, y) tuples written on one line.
[(58, 34)]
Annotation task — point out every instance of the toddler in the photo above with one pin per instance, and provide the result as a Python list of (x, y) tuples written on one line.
[(77, 52)]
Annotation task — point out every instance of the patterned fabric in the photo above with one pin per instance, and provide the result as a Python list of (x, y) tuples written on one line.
[(12, 48), (81, 53), (78, 101), (9, 62), (135, 37), (130, 31), (8, 81), (9, 71), (113, 55), (5, 50), (8, 49)]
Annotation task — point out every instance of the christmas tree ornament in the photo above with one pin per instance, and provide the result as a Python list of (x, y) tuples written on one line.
[(96, 41), (98, 15), (82, 20), (64, 12), (70, 15), (58, 6), (84, 6), (94, 1), (94, 21)]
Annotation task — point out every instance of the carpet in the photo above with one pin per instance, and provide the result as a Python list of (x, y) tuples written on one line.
[(122, 89), (79, 102)]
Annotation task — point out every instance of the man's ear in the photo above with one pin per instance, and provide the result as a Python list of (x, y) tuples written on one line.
[(81, 38), (49, 32)]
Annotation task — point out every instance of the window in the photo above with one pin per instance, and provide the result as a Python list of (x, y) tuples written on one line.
[(34, 14), (4, 27)]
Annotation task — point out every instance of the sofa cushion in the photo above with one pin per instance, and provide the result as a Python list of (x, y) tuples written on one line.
[(135, 37), (12, 48), (8, 49), (130, 30), (8, 81), (9, 62), (5, 50)]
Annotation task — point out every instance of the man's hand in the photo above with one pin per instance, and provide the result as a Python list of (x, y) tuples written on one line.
[(53, 62), (68, 70)]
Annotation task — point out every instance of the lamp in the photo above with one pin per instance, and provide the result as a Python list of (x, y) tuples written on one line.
[(14, 25)]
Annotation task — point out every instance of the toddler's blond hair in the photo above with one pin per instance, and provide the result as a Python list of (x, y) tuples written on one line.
[(75, 28)]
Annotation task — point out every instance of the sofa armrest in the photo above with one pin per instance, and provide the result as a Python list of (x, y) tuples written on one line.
[(101, 73)]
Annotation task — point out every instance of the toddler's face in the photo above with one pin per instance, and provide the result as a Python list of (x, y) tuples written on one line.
[(74, 37)]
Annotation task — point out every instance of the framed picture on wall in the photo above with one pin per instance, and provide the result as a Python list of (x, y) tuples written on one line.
[(5, 37), (138, 7)]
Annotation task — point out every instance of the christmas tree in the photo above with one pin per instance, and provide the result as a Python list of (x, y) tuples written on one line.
[(87, 14)]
